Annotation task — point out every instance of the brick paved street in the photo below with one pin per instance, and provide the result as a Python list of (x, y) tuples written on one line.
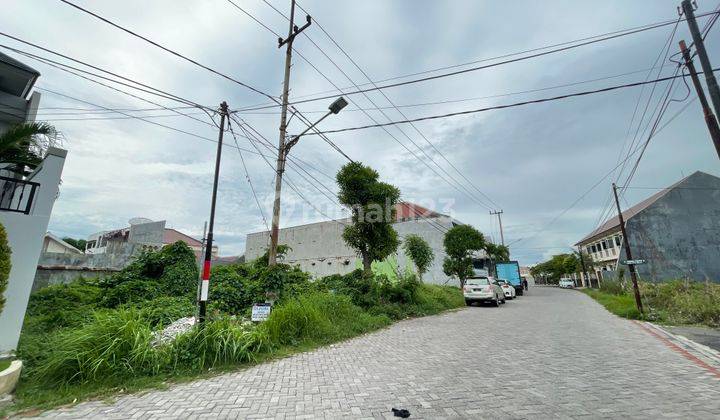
[(551, 354)]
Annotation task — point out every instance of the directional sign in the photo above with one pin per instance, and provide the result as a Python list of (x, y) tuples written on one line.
[(633, 262)]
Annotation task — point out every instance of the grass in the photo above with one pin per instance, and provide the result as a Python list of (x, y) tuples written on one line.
[(111, 352), (676, 302), (4, 364)]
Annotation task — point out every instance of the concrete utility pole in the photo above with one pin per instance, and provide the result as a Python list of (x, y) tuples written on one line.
[(586, 279), (628, 254), (205, 283), (282, 154), (702, 55), (498, 213), (710, 120)]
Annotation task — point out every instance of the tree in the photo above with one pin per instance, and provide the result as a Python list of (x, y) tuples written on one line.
[(77, 243), (373, 211), (460, 242), (419, 252), (499, 253), (22, 145), (5, 265), (558, 266)]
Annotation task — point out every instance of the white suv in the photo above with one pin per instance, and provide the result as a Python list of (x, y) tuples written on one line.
[(483, 289), (566, 283)]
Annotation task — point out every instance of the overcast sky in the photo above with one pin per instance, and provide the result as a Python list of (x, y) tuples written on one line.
[(533, 162)]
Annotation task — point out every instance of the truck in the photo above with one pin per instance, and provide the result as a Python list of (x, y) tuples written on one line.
[(510, 272)]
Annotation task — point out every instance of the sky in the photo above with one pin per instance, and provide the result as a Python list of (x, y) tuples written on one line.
[(536, 163)]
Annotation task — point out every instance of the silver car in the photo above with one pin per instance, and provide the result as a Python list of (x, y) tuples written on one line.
[(483, 289)]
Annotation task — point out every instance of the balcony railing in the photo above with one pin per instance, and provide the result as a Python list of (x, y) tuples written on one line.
[(17, 195)]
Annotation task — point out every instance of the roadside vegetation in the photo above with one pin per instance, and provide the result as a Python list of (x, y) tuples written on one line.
[(677, 302), (98, 337)]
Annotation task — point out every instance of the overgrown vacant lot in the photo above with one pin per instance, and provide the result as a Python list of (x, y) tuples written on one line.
[(677, 302), (92, 338)]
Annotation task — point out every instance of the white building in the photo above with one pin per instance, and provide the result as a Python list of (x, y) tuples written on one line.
[(25, 202), (54, 244), (318, 248)]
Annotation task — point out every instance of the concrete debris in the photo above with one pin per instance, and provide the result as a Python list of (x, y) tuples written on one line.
[(168, 334)]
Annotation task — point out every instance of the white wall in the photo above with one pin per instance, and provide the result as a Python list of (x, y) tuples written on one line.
[(25, 236), (319, 249)]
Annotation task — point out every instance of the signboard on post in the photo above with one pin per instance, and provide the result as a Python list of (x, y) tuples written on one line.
[(260, 312), (633, 262)]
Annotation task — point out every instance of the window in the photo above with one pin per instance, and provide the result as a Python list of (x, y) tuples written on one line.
[(604, 244), (617, 240), (588, 249), (611, 244), (593, 249)]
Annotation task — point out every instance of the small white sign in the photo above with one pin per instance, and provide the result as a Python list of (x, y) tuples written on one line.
[(633, 262), (260, 312)]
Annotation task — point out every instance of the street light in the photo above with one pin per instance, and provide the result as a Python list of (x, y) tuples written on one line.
[(283, 151), (334, 108)]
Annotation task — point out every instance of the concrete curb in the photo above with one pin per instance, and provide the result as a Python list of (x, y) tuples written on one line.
[(9, 377), (705, 355)]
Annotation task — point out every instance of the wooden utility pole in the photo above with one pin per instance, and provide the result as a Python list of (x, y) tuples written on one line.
[(498, 213), (699, 43), (282, 154), (628, 254), (710, 119), (205, 282)]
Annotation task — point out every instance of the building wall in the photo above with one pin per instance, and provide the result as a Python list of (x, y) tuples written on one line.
[(679, 235), (319, 249), (25, 236)]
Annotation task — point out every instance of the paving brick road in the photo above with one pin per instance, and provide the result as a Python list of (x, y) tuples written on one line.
[(551, 354)]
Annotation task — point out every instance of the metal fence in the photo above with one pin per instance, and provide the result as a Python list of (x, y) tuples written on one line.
[(17, 195)]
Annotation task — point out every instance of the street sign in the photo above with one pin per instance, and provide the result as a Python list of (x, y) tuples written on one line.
[(260, 312), (633, 262)]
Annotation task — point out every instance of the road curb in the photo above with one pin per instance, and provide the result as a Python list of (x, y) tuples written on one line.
[(697, 353)]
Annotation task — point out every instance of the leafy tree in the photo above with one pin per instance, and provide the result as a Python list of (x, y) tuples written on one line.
[(499, 253), (558, 266), (460, 242), (373, 212), (77, 243), (419, 252), (4, 265), (21, 146)]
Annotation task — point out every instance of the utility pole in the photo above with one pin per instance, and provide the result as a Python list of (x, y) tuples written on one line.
[(200, 269), (628, 254), (712, 84), (586, 280), (498, 213), (282, 154), (710, 120), (205, 282)]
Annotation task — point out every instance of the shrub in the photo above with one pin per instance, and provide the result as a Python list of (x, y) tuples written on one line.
[(5, 265), (164, 310), (133, 291), (115, 344), (231, 290), (62, 305), (320, 318), (173, 266), (219, 342), (612, 287)]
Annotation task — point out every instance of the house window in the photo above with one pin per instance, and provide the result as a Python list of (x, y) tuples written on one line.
[(617, 240), (611, 244), (604, 244), (588, 249), (594, 249)]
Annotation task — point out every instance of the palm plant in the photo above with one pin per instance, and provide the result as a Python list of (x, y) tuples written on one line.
[(22, 146)]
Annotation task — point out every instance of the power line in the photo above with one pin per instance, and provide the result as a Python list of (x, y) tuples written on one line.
[(166, 49), (398, 109), (491, 108), (618, 33), (514, 60), (375, 121)]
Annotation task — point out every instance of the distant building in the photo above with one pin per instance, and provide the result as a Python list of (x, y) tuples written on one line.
[(676, 230), (318, 248), (53, 244), (141, 234)]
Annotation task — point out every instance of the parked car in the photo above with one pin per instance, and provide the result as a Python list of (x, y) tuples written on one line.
[(483, 289), (507, 288), (567, 283)]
